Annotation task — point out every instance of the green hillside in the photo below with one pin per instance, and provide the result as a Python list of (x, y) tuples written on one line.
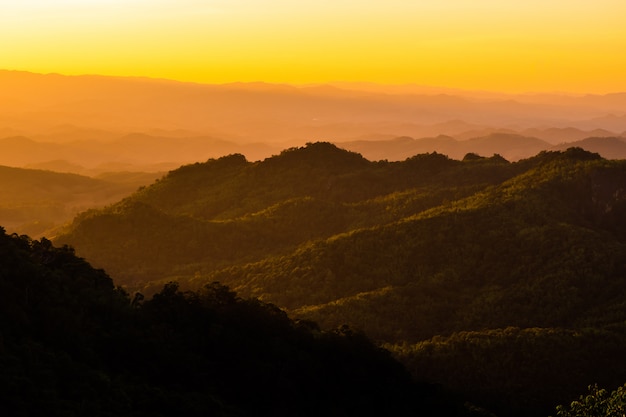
[(418, 254), (537, 250), (228, 211)]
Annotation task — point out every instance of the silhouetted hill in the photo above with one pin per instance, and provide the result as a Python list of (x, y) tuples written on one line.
[(608, 147), (407, 251), (20, 150), (556, 136), (72, 344), (400, 148), (511, 146), (59, 165)]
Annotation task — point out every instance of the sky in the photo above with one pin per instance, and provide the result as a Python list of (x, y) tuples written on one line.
[(496, 45)]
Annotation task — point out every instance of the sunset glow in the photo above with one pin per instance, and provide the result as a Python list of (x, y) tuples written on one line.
[(574, 46)]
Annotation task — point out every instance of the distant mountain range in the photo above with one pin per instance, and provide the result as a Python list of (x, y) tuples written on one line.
[(61, 109), (133, 152), (511, 146), (608, 147), (148, 153)]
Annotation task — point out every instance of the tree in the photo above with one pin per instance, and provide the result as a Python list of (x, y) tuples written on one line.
[(598, 403)]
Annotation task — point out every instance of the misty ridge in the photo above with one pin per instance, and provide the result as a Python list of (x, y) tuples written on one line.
[(350, 249), (94, 124)]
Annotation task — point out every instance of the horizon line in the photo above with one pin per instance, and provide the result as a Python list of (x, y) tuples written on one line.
[(337, 83)]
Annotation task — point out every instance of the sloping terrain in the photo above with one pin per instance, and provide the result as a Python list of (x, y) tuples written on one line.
[(230, 211), (35, 201), (419, 254), (73, 344)]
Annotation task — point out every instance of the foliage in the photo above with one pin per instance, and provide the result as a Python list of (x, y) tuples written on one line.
[(519, 372), (228, 211), (597, 403), (404, 251)]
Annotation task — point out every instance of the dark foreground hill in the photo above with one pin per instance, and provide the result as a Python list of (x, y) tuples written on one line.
[(503, 280), (73, 345)]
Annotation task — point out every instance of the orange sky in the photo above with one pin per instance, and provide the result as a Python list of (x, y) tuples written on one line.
[(513, 46)]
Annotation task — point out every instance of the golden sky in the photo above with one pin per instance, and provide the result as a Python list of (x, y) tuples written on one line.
[(503, 45)]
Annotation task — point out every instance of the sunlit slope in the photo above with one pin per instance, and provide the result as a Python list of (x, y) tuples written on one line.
[(542, 249), (319, 226), (229, 211)]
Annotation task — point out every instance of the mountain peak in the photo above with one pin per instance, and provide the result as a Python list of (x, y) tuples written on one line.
[(580, 154), (323, 155)]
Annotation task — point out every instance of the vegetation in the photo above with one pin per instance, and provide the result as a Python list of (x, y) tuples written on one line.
[(519, 372), (503, 281), (71, 344), (228, 211), (597, 403)]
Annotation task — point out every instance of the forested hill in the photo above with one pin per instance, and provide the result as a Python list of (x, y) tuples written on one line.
[(229, 211), (226, 212), (454, 264), (73, 345)]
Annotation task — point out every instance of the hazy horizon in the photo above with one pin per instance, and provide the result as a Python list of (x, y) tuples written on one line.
[(99, 123), (359, 85), (482, 45)]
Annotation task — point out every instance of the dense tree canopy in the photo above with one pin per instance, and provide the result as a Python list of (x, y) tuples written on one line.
[(436, 258), (597, 403)]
